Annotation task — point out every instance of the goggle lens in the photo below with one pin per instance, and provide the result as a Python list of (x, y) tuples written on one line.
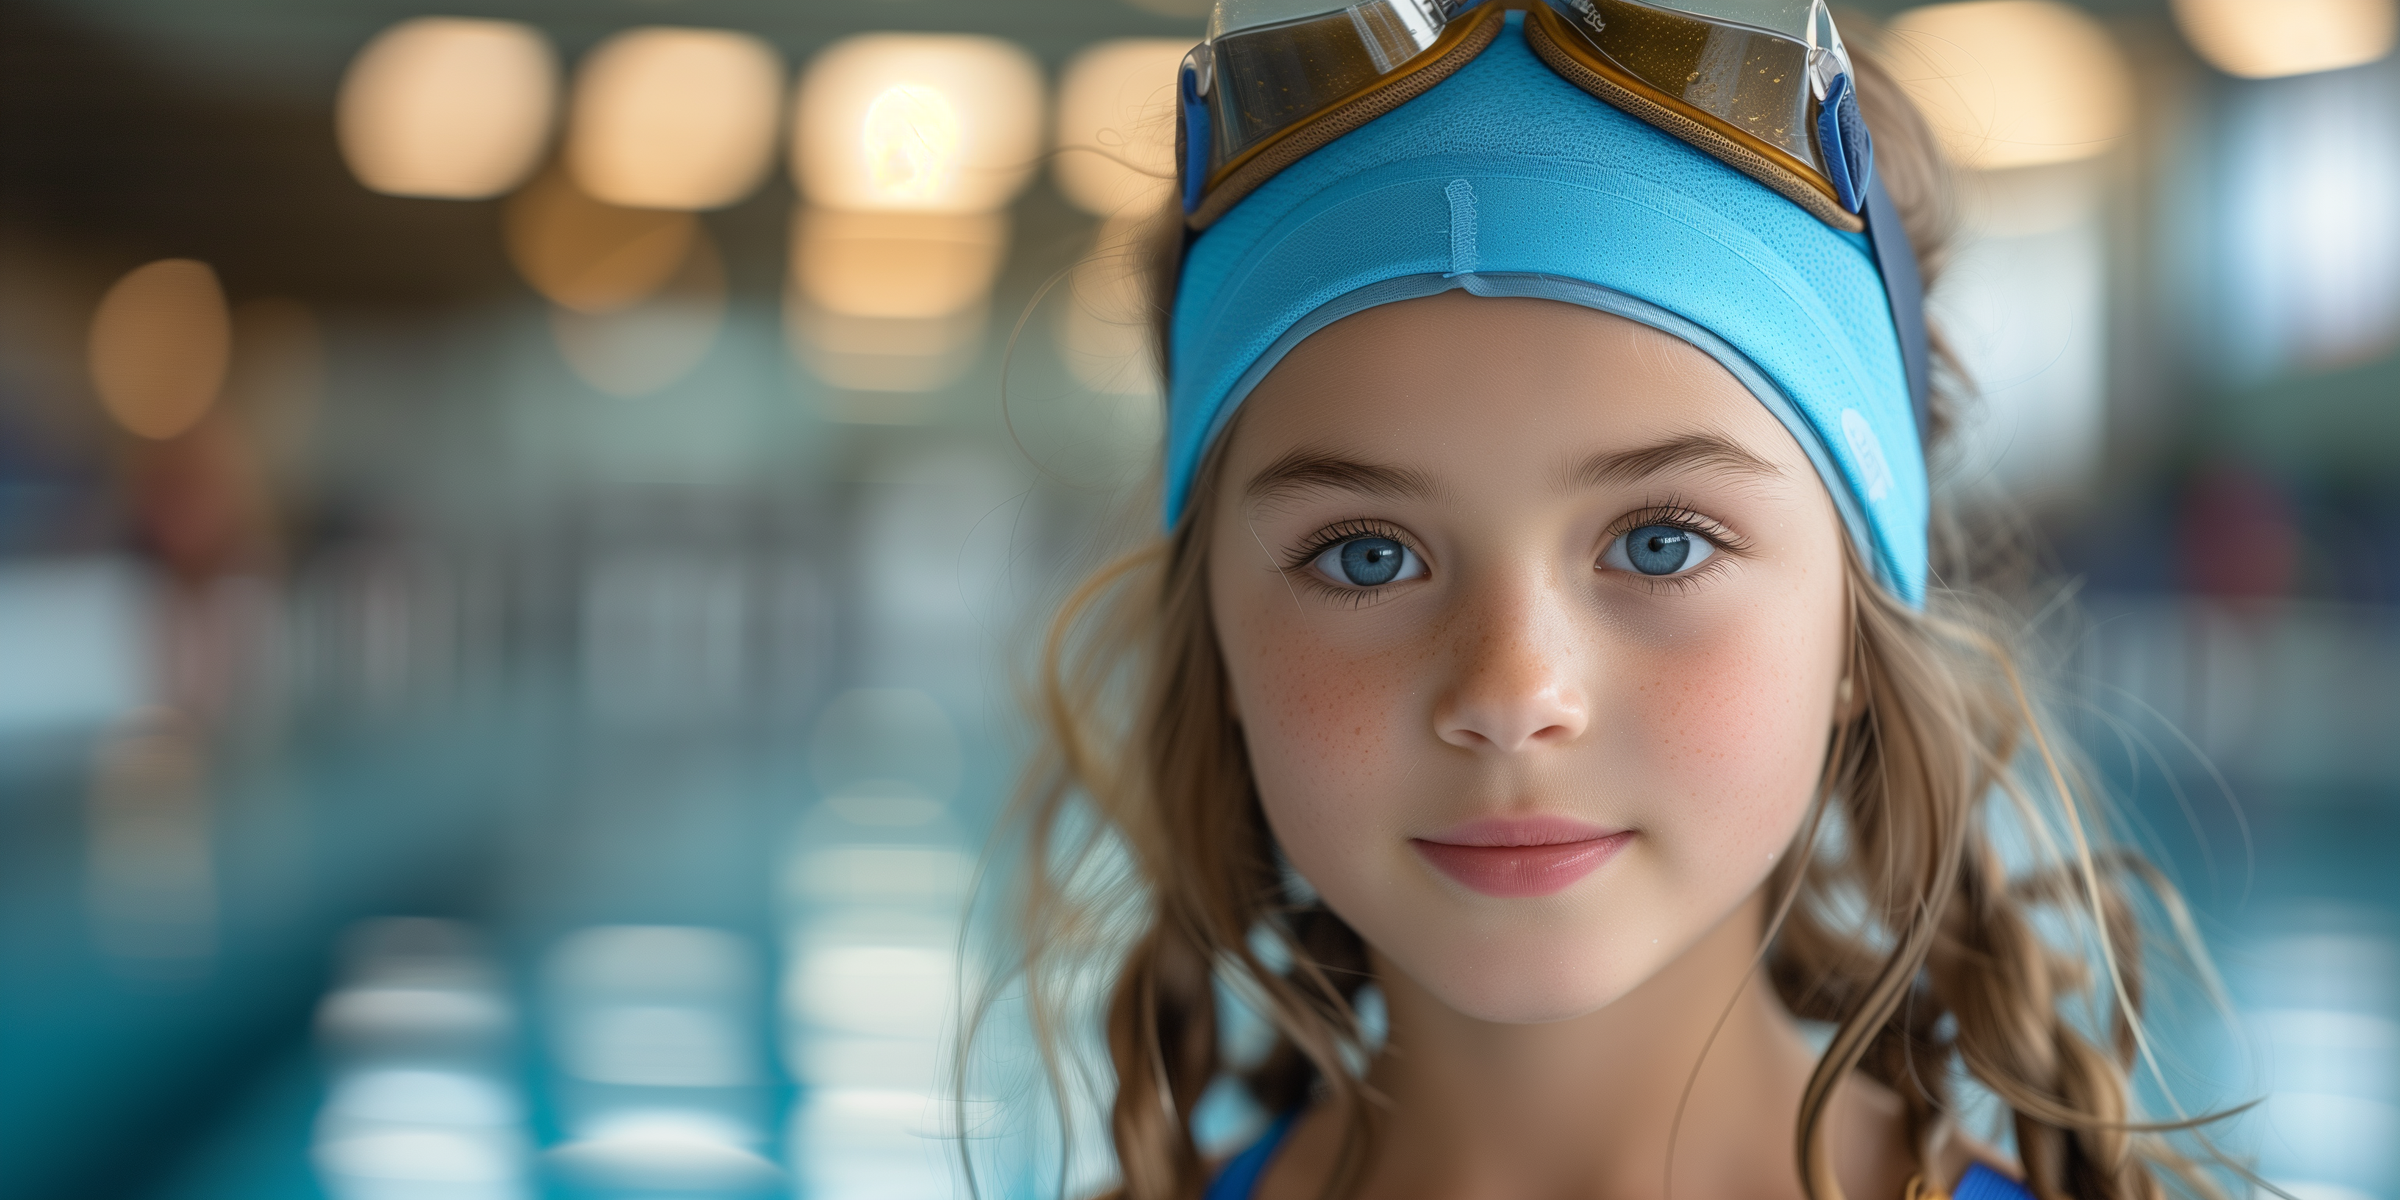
[(1750, 79), (1275, 63)]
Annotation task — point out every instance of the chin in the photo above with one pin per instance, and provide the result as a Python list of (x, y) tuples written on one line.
[(1529, 981)]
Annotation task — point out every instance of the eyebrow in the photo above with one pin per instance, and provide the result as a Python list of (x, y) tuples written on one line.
[(1308, 470), (1694, 451)]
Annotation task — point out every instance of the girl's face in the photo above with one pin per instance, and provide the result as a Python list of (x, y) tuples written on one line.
[(1534, 620)]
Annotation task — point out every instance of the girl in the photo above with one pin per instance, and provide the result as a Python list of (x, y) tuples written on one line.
[(1547, 648)]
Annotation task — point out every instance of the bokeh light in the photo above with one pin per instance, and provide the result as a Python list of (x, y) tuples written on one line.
[(871, 362), (660, 1034), (654, 1006), (917, 123), (896, 264), (644, 347), (448, 108), (2013, 83), (2309, 223), (1116, 125), (2022, 302), (160, 344), (891, 301), (589, 255), (2288, 37), (419, 1104), (675, 118), (77, 637)]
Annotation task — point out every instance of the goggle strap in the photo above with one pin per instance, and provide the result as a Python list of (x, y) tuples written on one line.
[(1843, 139), (1896, 258), (1763, 164), (1192, 133), (1468, 37)]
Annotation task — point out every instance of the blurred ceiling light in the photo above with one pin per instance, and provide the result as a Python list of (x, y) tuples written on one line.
[(891, 302), (591, 256), (2012, 83), (160, 344), (870, 264), (917, 123), (641, 349), (2290, 37), (448, 108), (675, 118), (1116, 125)]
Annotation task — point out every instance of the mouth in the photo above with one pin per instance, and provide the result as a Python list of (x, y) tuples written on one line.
[(1513, 857)]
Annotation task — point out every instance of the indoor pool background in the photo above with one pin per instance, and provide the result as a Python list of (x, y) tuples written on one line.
[(521, 744)]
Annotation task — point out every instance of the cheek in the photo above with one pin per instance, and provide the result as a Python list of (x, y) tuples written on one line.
[(1731, 731), (1327, 720)]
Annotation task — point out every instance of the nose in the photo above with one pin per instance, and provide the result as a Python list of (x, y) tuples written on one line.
[(1515, 684)]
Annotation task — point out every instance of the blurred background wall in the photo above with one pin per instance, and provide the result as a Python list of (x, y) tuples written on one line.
[(520, 525)]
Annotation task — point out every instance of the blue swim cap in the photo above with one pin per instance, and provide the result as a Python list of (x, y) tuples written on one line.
[(1506, 180)]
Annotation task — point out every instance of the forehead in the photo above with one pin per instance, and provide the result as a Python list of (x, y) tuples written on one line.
[(1454, 380)]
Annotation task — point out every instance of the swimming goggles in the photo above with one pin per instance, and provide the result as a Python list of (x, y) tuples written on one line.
[(1763, 86)]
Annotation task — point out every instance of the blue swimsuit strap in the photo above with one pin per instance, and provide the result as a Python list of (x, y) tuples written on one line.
[(1983, 1183), (1239, 1178)]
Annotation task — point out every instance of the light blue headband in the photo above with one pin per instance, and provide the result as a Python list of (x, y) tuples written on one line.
[(1506, 180)]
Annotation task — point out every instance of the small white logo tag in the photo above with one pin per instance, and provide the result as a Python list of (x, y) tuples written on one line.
[(1867, 450)]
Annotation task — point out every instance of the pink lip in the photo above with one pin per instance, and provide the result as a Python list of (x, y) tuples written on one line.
[(1521, 856)]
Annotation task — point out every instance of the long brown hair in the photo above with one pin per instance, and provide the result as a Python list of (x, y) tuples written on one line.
[(1149, 860)]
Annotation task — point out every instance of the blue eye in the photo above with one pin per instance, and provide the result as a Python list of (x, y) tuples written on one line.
[(1657, 550), (1367, 562)]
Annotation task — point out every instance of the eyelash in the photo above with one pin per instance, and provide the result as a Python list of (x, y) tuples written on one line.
[(1669, 512), (1681, 516), (1297, 564)]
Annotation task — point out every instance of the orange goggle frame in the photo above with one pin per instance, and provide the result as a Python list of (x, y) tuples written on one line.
[(1778, 109)]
